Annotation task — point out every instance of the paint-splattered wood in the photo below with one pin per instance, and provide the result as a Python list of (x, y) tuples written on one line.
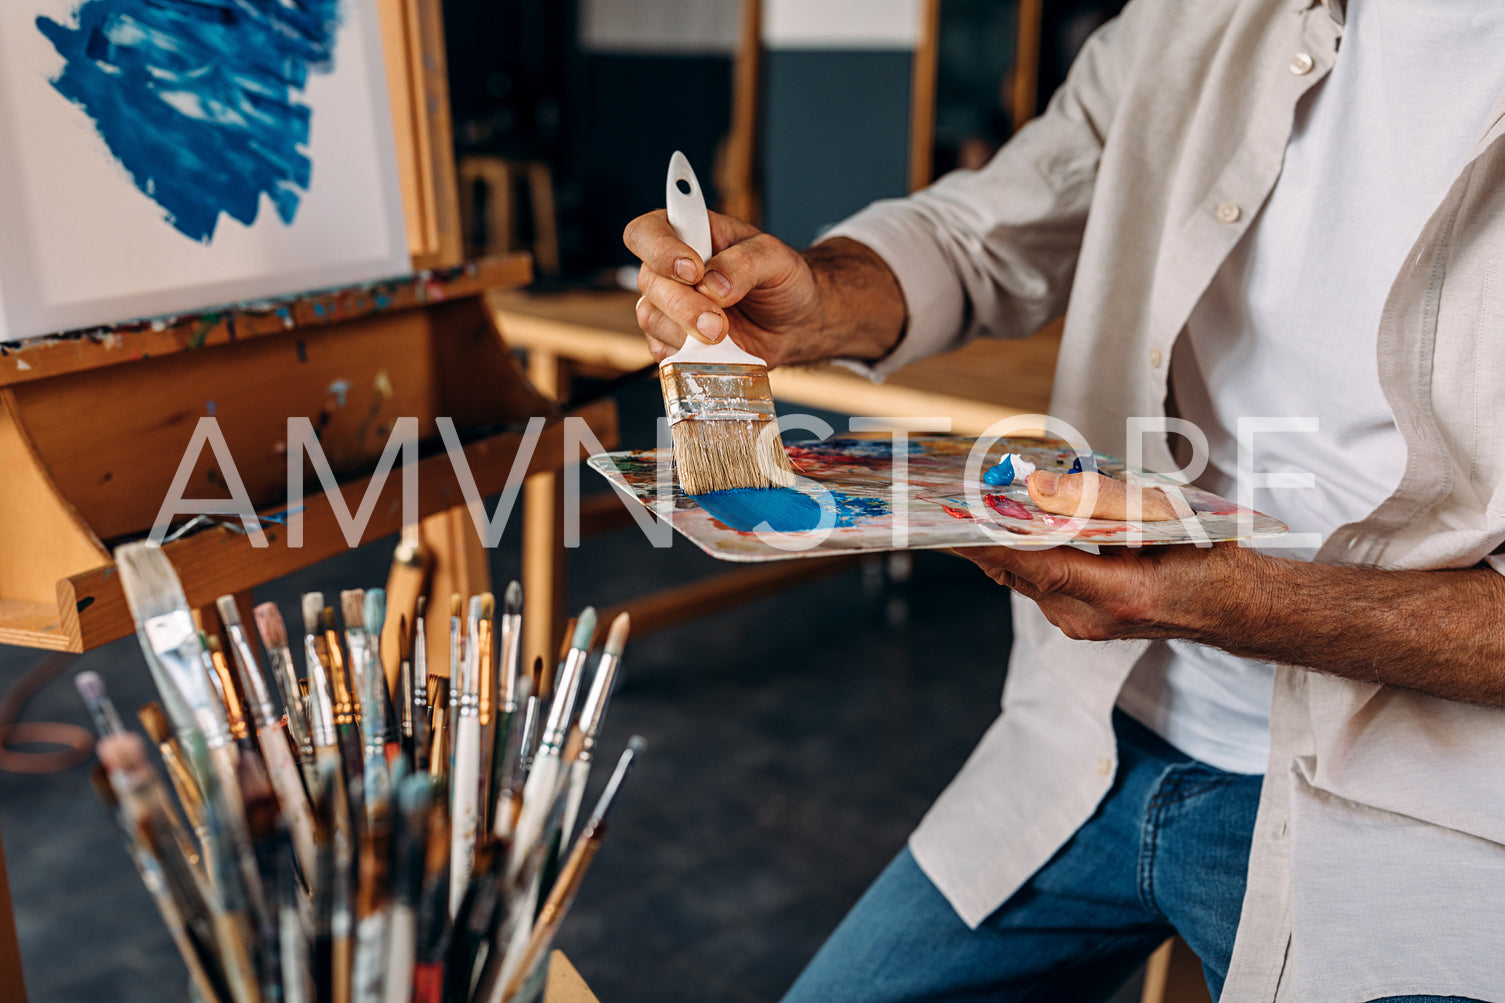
[(77, 351), (216, 561)]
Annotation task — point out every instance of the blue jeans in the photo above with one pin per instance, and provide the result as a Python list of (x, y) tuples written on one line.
[(1165, 852)]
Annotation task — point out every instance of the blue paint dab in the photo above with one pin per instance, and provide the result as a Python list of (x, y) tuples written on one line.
[(785, 509), (200, 102), (851, 508), (745, 509)]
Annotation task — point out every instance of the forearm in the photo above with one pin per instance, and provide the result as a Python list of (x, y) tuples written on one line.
[(861, 308), (1438, 632)]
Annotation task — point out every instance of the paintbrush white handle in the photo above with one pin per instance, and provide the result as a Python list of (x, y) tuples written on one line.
[(463, 806), (692, 224), (402, 953), (287, 784), (579, 772)]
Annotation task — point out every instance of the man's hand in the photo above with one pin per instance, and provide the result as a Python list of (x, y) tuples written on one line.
[(838, 298), (1437, 632)]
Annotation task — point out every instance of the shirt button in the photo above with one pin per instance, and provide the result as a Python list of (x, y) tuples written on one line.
[(1104, 766), (1301, 64), (1229, 213), (1155, 358)]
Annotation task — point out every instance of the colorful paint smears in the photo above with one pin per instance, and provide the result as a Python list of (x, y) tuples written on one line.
[(942, 503), (201, 102)]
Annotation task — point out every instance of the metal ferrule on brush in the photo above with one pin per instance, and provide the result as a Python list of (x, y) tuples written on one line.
[(250, 679), (702, 391), (558, 725), (320, 710), (174, 642)]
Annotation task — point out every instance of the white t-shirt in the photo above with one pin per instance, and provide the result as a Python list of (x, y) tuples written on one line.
[(1288, 328)]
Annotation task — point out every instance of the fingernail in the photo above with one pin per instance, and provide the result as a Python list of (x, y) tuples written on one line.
[(1045, 482), (718, 283), (709, 324), (685, 269)]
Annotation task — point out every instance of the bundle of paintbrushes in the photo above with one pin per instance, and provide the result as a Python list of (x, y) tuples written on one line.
[(363, 846)]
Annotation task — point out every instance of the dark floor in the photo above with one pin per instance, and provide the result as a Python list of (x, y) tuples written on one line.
[(792, 745)]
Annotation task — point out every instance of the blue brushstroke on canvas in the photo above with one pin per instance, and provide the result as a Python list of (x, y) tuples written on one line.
[(200, 100)]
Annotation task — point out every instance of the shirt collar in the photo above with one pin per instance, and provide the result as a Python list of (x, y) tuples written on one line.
[(1335, 8)]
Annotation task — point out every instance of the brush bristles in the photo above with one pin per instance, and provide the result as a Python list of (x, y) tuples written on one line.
[(270, 626), (585, 629), (616, 637), (456, 604), (313, 609), (353, 608), (726, 455), (154, 720), (488, 606), (229, 613), (376, 610), (423, 604), (512, 600), (151, 585)]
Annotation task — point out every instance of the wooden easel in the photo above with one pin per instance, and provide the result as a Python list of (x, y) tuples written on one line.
[(93, 426)]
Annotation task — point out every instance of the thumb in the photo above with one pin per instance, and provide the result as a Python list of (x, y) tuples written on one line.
[(758, 262), (1098, 498)]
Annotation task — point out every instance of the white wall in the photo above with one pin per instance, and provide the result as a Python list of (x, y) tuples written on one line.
[(704, 27), (841, 24)]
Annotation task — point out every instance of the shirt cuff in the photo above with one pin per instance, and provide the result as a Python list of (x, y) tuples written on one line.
[(933, 295), (1496, 561)]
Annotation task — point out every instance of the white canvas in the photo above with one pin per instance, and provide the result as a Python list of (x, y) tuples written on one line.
[(82, 245)]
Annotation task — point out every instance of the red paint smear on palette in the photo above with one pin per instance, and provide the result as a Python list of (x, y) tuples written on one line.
[(1006, 506), (957, 513)]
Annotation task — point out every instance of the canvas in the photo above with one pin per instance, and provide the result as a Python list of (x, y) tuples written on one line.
[(160, 157), (847, 503)]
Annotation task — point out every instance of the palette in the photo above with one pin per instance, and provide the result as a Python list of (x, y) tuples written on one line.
[(846, 502)]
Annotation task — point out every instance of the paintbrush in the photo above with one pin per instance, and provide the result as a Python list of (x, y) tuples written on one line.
[(563, 894), (101, 708), (456, 669), (346, 718), (415, 796), (170, 641), (328, 800), (433, 908), (510, 629), (235, 708), (376, 619), (154, 720), (487, 701), (421, 731), (281, 770), (579, 749), (544, 774), (273, 633), (536, 707), (408, 578), (297, 978), (268, 836), (465, 780), (125, 782), (513, 770), (405, 691), (366, 671), (717, 397), (439, 688)]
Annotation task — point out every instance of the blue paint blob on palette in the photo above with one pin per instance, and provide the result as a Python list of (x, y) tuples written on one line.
[(786, 510), (200, 102)]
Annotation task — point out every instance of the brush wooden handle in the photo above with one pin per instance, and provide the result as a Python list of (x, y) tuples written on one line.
[(287, 783)]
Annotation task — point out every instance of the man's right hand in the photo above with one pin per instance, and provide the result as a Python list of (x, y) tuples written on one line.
[(755, 287), (836, 299)]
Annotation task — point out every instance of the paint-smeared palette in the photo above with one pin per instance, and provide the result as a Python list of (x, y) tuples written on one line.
[(846, 502)]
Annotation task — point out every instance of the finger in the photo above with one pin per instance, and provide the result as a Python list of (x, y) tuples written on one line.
[(659, 329), (762, 260), (1063, 494), (689, 310), (652, 239)]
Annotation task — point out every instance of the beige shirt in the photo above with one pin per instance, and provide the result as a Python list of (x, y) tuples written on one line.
[(1378, 865)]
